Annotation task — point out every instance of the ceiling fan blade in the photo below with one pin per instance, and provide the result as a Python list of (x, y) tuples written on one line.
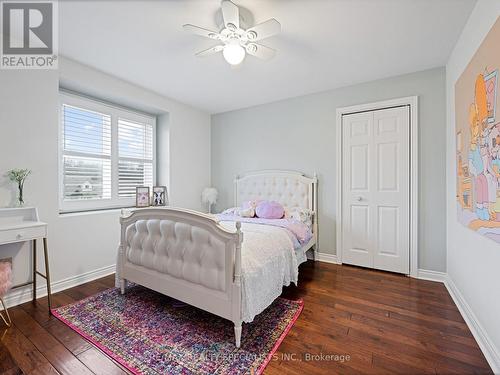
[(231, 14), (264, 30), (210, 51), (260, 51), (201, 31)]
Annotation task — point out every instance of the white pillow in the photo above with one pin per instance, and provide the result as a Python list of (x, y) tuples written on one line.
[(231, 211), (246, 212), (303, 215), (238, 211)]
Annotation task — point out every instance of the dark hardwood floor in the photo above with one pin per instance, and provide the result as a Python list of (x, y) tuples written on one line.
[(354, 321)]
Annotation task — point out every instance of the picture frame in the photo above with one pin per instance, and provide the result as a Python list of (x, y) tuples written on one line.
[(142, 196), (159, 196)]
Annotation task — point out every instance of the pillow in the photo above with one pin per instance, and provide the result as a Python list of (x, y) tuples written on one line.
[(269, 210), (239, 211), (231, 211), (246, 212), (303, 215)]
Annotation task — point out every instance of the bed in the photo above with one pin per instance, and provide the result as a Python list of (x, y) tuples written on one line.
[(228, 266)]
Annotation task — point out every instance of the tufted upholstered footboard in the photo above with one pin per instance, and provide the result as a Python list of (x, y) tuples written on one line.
[(186, 255)]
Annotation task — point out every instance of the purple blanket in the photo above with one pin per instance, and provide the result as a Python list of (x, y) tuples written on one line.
[(301, 231)]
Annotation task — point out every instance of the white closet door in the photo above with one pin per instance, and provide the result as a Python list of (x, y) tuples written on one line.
[(375, 191), (357, 186)]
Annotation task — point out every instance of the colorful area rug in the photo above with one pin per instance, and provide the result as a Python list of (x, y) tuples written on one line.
[(149, 333)]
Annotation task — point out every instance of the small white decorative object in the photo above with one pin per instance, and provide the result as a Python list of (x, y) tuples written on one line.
[(209, 196)]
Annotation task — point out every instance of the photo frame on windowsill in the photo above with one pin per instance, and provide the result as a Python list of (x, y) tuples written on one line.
[(160, 196), (142, 196)]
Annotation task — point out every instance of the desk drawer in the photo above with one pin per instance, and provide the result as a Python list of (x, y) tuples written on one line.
[(22, 234)]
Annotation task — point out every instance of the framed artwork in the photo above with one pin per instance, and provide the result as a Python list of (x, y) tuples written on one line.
[(160, 196), (142, 196), (478, 140)]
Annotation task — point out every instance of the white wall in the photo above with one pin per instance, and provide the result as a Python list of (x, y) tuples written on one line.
[(299, 134), (29, 139), (473, 261)]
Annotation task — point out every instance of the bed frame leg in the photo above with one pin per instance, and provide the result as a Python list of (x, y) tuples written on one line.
[(123, 284), (237, 333)]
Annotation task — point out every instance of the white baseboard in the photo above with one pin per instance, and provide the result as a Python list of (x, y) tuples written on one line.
[(432, 275), (422, 274), (22, 295), (327, 258), (490, 351), (488, 348)]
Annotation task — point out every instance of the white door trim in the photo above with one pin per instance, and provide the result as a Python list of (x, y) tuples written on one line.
[(412, 102)]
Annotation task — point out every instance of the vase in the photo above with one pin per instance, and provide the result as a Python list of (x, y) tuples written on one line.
[(20, 199)]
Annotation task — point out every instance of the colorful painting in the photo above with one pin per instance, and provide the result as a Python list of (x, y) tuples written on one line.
[(478, 139)]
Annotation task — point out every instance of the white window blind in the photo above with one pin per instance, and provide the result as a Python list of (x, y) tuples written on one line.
[(135, 156), (87, 154), (107, 152)]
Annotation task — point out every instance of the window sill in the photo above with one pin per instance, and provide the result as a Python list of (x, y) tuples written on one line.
[(94, 212)]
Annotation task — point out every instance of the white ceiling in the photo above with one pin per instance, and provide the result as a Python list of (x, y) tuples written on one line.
[(324, 44)]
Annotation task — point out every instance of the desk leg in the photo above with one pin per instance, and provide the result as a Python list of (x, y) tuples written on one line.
[(6, 319), (34, 270), (47, 273)]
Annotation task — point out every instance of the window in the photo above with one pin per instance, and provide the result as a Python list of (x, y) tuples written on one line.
[(106, 152)]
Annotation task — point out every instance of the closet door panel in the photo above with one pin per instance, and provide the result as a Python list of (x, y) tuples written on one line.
[(357, 169)]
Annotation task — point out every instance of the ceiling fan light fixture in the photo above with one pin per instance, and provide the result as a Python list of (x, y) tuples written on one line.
[(236, 40), (233, 53)]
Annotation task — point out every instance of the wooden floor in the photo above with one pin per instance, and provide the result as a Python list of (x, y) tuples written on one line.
[(374, 322)]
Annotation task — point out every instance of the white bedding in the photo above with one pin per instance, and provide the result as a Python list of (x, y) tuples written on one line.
[(268, 262)]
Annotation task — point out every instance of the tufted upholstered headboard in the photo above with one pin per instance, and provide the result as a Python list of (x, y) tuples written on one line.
[(291, 189)]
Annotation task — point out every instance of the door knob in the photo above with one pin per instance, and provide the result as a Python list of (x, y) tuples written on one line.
[(360, 199)]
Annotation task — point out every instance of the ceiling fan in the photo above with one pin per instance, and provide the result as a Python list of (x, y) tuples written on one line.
[(235, 41)]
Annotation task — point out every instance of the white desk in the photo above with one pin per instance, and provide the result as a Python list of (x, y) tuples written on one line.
[(20, 225)]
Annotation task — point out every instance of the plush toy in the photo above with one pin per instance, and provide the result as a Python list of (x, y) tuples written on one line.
[(5, 285)]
